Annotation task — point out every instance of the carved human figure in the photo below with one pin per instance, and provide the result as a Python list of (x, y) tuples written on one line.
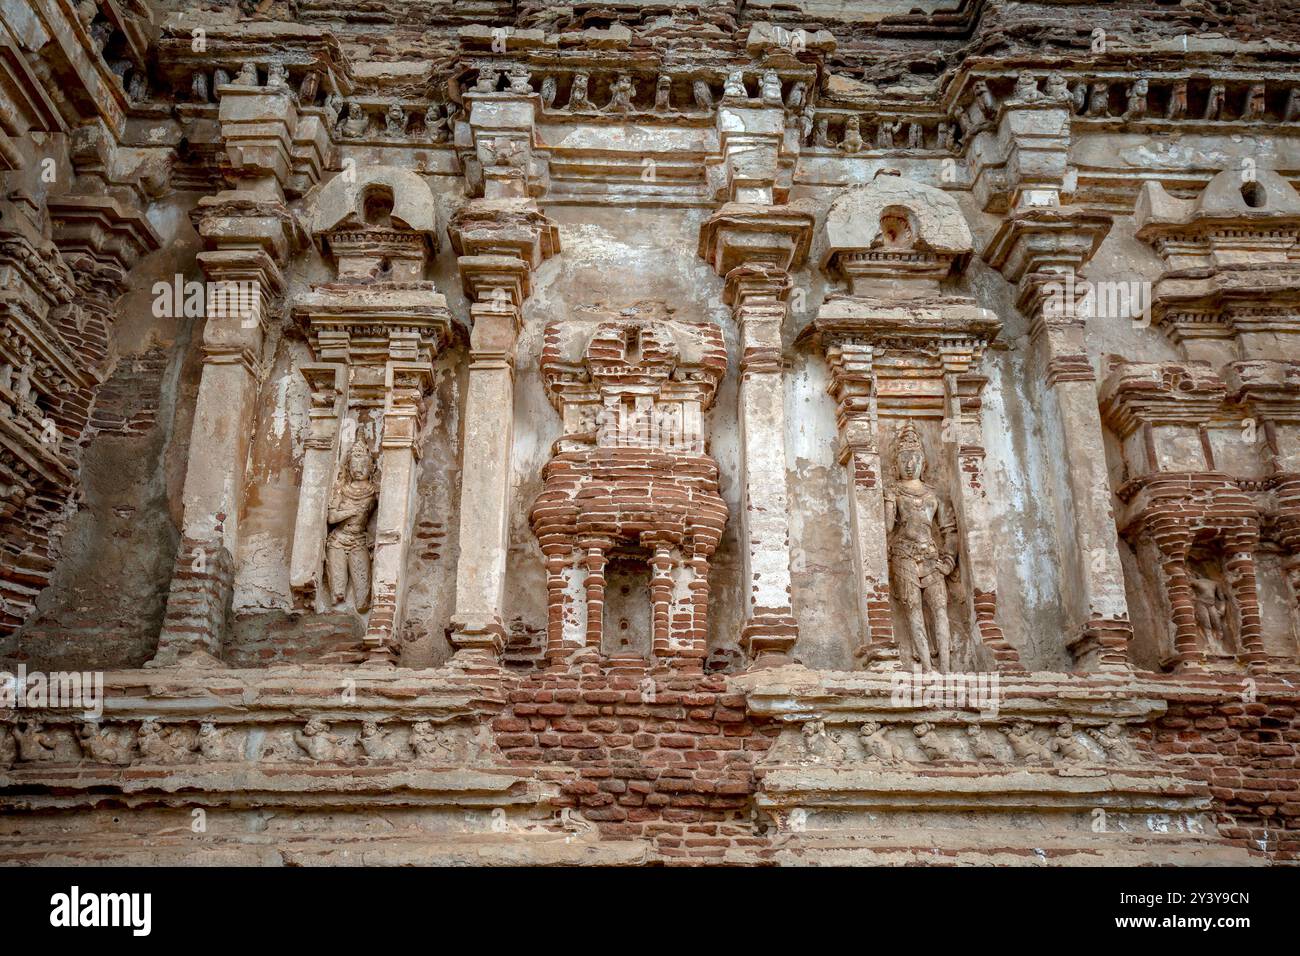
[(1291, 111), (334, 107), (376, 744), (1177, 107), (798, 97), (1099, 99), (770, 89), (1066, 746), (33, 743), (1058, 90), (853, 142), (921, 532), (199, 87), (915, 136), (1214, 104), (984, 100), (821, 136), (932, 745), (317, 742), (1211, 601), (1026, 746), (621, 93), (1136, 105), (162, 746), (357, 122), (395, 120), (818, 745), (1026, 90), (520, 80), (663, 93), (213, 743), (578, 99), (549, 87), (980, 745), (277, 77), (946, 137), (885, 135), (878, 746), (1255, 103), (487, 80), (735, 85), (347, 550), (247, 75), (435, 124), (1115, 742), (105, 746), (428, 744)]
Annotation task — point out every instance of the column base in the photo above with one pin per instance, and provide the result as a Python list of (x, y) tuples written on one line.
[(1103, 646), (478, 638), (770, 635), (198, 603)]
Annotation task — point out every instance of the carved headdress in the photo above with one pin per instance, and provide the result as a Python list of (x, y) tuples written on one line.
[(908, 443)]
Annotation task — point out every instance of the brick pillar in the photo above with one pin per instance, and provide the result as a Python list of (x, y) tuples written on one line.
[(1239, 567)]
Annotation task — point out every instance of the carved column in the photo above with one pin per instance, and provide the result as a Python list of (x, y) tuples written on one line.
[(250, 232), (756, 248), (1042, 251), (499, 243), (329, 402)]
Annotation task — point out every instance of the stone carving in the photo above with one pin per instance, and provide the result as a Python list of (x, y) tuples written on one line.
[(109, 745), (1112, 739), (1214, 103), (548, 92), (1136, 106), (216, 744), (379, 745), (817, 746), (921, 532), (1068, 747), (395, 120), (1028, 748), (578, 98), (932, 745), (879, 748), (1211, 602), (980, 746), (853, 142), (663, 93), (247, 75), (488, 78), (34, 744), (520, 81), (735, 85), (621, 93), (770, 91), (316, 741), (347, 547), (166, 746)]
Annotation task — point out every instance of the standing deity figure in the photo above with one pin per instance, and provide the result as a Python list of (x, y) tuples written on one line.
[(1211, 610), (347, 553), (920, 558)]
